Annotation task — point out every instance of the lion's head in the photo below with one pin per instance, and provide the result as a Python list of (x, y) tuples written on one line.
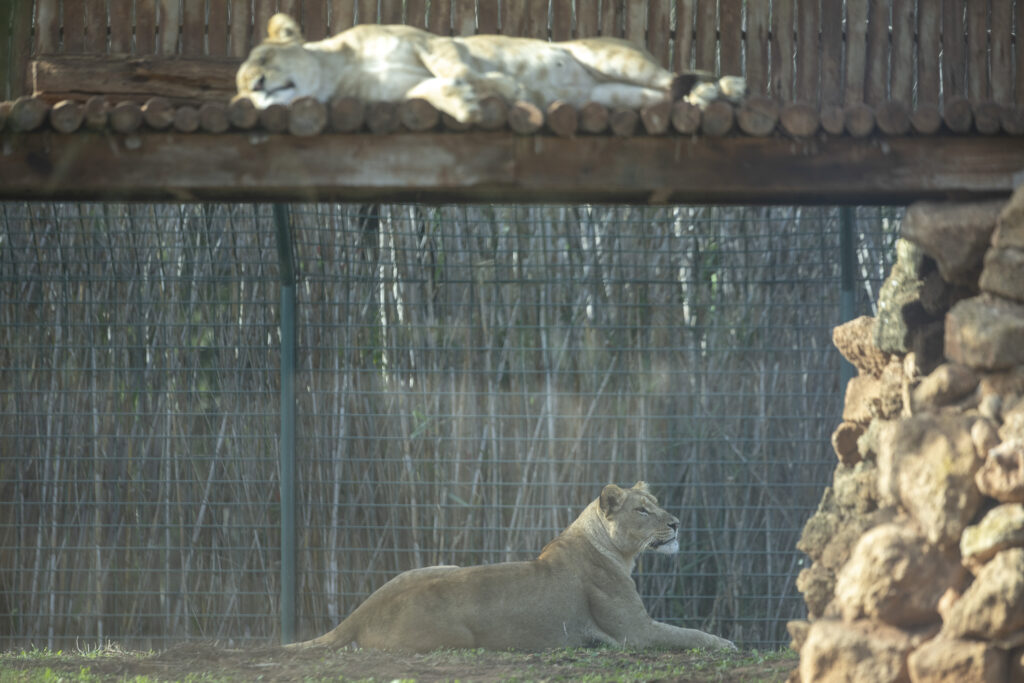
[(635, 522), (281, 69)]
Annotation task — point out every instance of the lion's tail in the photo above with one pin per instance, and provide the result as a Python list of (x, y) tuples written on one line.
[(343, 634)]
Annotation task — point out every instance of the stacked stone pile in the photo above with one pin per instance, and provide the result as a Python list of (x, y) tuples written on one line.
[(917, 547)]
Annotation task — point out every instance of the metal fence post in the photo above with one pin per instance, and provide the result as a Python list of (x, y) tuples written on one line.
[(847, 266), (288, 550)]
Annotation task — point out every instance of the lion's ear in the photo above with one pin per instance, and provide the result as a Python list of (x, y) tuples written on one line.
[(611, 499), (283, 29), (641, 486)]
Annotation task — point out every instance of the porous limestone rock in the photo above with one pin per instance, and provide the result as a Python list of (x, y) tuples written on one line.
[(896, 576), (956, 235), (943, 660), (992, 607), (899, 299), (855, 341), (927, 463), (1001, 528), (947, 384), (860, 651), (1004, 273), (985, 333), (1002, 474)]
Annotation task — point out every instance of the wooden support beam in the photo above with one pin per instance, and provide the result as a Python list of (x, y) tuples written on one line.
[(502, 167)]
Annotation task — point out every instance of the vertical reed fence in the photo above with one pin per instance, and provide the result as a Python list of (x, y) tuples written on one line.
[(467, 380)]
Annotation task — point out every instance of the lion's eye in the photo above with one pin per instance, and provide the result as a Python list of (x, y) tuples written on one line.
[(643, 511)]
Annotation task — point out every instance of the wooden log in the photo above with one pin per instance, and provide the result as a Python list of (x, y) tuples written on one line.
[(5, 112), (463, 18), (307, 116), (96, 113), (926, 119), (238, 36), (877, 53), (74, 27), (859, 120), (186, 118), (382, 117), (758, 115), (561, 20), (1019, 57), (799, 119), (242, 113), (213, 117), (856, 51), (158, 113), (487, 18), (977, 51), (121, 26), (525, 118), (95, 37), (1001, 71), (656, 118), (929, 22), (685, 18), (493, 113), (832, 41), (587, 20), (366, 12), (756, 58), (833, 119), (685, 117), (623, 122), (1011, 119), (956, 114), (902, 83), (953, 81), (66, 116), (594, 118), (28, 113), (987, 117), (892, 118), (416, 13), (274, 119), (346, 114), (448, 122), (730, 48), (181, 80), (706, 35), (562, 119), (717, 119), (217, 29), (782, 50), (808, 19), (145, 29), (659, 28), (418, 115)]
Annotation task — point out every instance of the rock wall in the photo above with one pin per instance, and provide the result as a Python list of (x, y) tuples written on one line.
[(917, 547)]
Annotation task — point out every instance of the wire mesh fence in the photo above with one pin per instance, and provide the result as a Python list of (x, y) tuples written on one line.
[(467, 380)]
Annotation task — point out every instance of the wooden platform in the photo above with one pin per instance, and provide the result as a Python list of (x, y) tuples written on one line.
[(504, 167)]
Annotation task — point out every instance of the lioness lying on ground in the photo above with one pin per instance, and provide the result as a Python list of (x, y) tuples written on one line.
[(371, 62), (577, 593)]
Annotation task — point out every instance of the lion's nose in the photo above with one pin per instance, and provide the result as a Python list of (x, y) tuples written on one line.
[(260, 83), (674, 525)]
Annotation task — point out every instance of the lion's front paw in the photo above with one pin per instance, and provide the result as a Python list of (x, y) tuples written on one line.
[(462, 103)]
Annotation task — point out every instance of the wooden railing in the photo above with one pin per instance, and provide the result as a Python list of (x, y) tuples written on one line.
[(827, 53)]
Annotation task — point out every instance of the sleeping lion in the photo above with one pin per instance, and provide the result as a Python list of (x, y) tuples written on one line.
[(577, 593), (371, 62)]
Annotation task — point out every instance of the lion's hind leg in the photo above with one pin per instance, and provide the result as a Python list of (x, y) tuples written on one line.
[(626, 96), (456, 98)]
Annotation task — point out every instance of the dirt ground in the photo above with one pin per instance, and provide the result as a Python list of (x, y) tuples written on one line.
[(207, 662)]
